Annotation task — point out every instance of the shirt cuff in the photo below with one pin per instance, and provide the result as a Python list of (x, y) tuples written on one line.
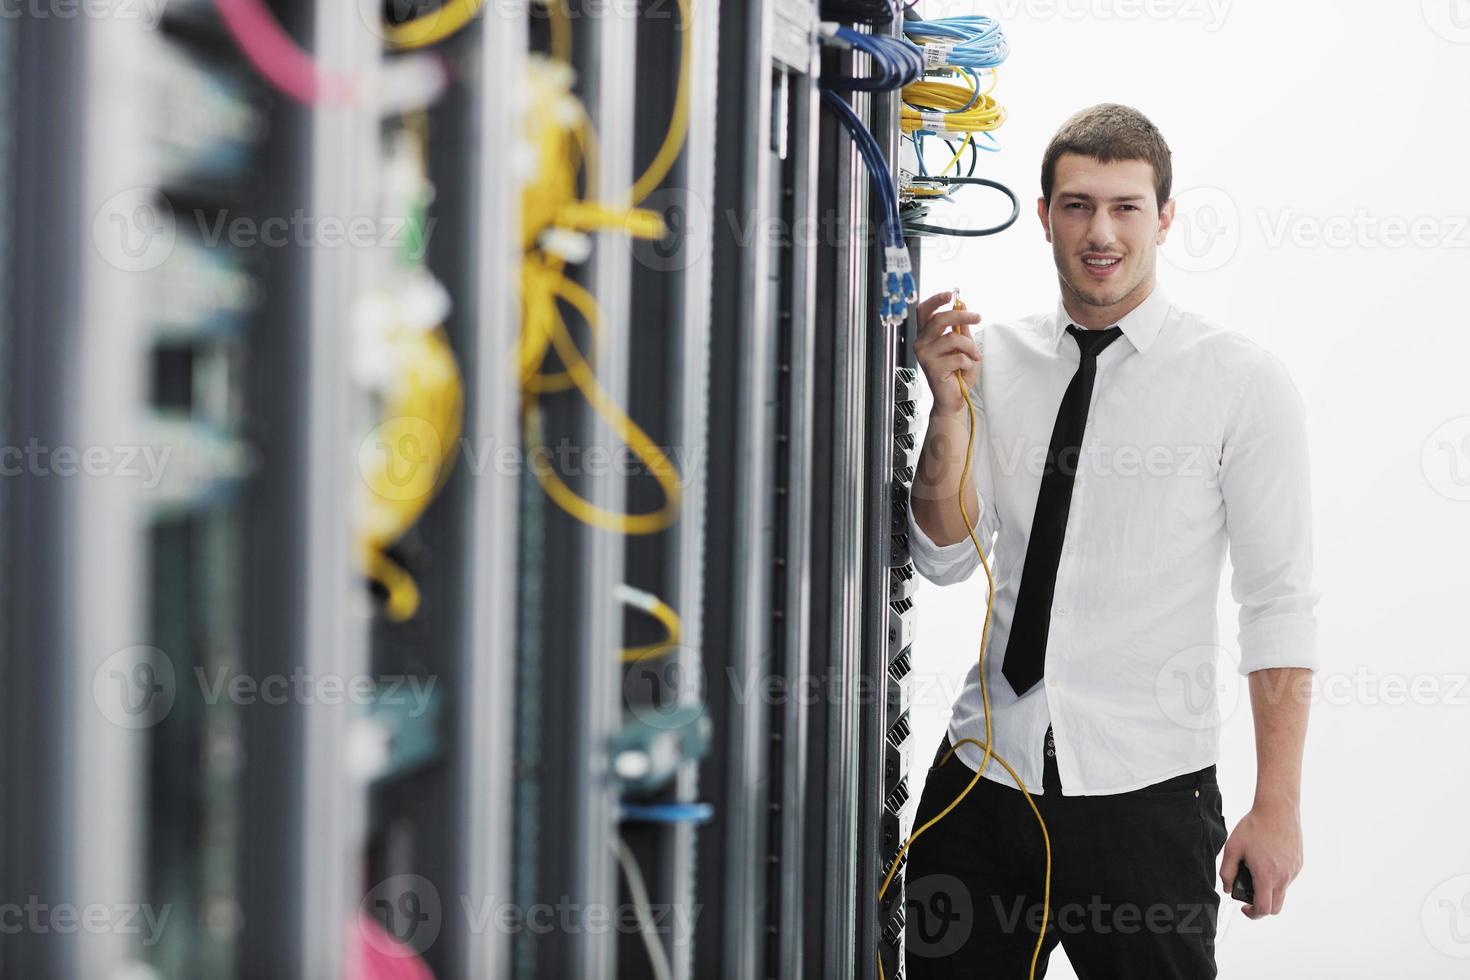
[(942, 565), (1288, 640)]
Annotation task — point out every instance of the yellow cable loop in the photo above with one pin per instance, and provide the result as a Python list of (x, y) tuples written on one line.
[(434, 26), (951, 100), (427, 400), (567, 153), (985, 700), (616, 419), (673, 627)]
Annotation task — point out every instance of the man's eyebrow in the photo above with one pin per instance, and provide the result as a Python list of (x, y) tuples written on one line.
[(1122, 198)]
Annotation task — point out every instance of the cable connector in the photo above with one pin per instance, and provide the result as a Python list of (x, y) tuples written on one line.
[(573, 246), (899, 289), (830, 32)]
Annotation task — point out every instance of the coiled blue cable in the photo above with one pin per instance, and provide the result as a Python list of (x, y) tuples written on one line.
[(978, 41)]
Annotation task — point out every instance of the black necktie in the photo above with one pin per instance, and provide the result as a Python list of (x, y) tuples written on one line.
[(1026, 647)]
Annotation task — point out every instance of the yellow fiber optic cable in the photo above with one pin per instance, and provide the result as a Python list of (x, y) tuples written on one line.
[(659, 610), (673, 142), (942, 107), (435, 25), (606, 408), (985, 700), (423, 415)]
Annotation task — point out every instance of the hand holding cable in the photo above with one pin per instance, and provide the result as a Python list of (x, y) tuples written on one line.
[(944, 347), (964, 387)]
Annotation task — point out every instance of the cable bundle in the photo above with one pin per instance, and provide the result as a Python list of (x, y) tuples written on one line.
[(945, 107), (975, 42), (940, 107), (896, 62), (914, 212), (556, 218)]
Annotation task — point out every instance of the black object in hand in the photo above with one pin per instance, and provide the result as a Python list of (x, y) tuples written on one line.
[(1243, 889)]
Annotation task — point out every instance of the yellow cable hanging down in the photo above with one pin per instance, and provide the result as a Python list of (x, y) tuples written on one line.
[(985, 700), (413, 449), (566, 148), (556, 219)]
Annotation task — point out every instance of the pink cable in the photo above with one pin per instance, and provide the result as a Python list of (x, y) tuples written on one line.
[(278, 58), (373, 954)]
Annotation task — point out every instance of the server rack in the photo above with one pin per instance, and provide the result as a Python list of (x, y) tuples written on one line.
[(760, 356)]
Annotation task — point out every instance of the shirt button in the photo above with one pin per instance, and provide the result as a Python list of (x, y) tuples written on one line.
[(1061, 610), (1051, 681)]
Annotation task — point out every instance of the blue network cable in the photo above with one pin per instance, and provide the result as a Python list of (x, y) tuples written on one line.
[(896, 62), (899, 289), (667, 812), (975, 41)]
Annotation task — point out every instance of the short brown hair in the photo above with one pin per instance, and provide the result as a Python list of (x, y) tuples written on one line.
[(1109, 132)]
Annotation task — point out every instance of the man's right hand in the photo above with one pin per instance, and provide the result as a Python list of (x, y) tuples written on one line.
[(943, 346)]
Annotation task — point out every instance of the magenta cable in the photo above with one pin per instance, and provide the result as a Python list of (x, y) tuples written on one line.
[(279, 59)]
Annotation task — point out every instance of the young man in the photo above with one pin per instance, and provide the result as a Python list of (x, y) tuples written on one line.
[(1120, 444)]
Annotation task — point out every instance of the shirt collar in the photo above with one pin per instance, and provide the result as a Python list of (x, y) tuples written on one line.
[(1140, 327)]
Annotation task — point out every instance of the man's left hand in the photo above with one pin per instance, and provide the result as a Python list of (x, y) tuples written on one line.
[(1269, 840)]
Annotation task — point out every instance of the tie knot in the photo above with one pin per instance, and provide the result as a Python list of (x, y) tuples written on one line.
[(1092, 342)]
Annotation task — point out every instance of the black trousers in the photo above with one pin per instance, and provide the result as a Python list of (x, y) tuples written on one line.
[(1134, 892)]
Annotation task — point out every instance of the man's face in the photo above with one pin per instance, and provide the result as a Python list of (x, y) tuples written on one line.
[(1105, 227)]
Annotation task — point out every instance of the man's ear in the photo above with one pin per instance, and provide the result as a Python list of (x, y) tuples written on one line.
[(1166, 219), (1041, 213)]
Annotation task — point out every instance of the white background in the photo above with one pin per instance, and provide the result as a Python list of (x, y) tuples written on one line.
[(1308, 140)]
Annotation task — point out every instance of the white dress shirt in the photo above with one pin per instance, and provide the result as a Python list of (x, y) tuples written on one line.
[(1195, 438)]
